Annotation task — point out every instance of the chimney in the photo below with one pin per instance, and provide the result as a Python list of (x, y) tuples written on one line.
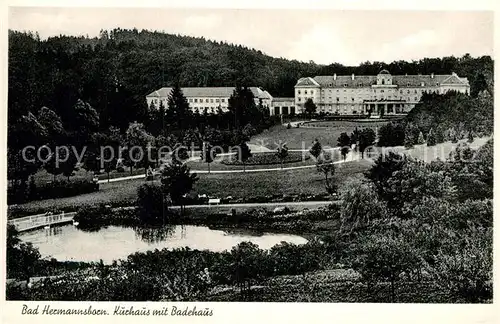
[(432, 75), (335, 76), (352, 77)]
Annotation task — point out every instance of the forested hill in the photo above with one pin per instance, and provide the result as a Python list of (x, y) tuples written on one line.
[(113, 72)]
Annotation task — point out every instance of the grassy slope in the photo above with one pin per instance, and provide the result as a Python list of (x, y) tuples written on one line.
[(307, 181), (299, 138)]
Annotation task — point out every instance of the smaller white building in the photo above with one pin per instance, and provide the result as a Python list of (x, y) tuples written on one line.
[(282, 106), (208, 99)]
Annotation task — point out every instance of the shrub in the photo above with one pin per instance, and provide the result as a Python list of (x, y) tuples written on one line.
[(55, 189), (269, 158)]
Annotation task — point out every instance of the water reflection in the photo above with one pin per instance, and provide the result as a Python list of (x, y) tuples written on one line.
[(115, 242), (155, 234)]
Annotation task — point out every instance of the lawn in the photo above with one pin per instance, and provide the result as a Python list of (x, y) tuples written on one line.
[(302, 181), (303, 137), (239, 185)]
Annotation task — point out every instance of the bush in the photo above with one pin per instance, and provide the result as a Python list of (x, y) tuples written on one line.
[(269, 158), (51, 190), (92, 217)]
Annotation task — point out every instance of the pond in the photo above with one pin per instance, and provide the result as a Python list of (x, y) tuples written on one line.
[(67, 243)]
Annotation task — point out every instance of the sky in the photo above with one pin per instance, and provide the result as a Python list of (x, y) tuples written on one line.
[(324, 36)]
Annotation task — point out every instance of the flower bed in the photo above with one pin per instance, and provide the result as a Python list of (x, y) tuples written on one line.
[(268, 158)]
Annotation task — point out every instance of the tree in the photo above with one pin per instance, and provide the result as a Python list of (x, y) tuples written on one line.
[(52, 166), (344, 142), (207, 154), (247, 265), (21, 257), (67, 163), (248, 131), (366, 140), (179, 107), (382, 258), (470, 137), (52, 124), (179, 154), (431, 138), (138, 140), (177, 180), (328, 169), (242, 108), (282, 153), (359, 207), (152, 205), (309, 107), (86, 121), (420, 139), (243, 153), (409, 136), (391, 134), (383, 170), (316, 149)]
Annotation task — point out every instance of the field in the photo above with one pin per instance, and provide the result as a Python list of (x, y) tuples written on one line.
[(302, 137), (305, 181)]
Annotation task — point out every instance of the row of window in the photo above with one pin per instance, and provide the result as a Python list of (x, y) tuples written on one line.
[(305, 92), (211, 100), (299, 99), (375, 90)]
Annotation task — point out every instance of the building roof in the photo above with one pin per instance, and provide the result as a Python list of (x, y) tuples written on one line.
[(368, 80), (283, 99), (224, 92), (308, 81)]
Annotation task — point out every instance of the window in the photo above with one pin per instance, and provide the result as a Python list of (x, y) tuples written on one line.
[(298, 91), (211, 101), (217, 100), (352, 99), (195, 99), (312, 92), (223, 100), (415, 90), (422, 84), (338, 99), (400, 91), (416, 98), (305, 92), (206, 100), (408, 91), (190, 100), (299, 99), (407, 84), (345, 84), (382, 91)]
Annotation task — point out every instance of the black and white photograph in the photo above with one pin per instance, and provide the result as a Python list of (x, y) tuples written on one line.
[(247, 155)]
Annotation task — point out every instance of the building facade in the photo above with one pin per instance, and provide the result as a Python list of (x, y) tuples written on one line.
[(207, 98), (282, 106), (382, 94)]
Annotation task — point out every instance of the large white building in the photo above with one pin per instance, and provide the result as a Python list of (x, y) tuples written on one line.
[(376, 95), (207, 98)]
